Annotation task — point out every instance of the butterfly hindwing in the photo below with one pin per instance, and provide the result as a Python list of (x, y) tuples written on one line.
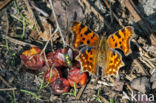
[(83, 35), (88, 60), (121, 39), (114, 62)]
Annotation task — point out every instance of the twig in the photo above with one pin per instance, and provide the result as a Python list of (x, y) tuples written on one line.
[(4, 81), (4, 3), (129, 78), (115, 16), (43, 50), (80, 92), (143, 24), (38, 9), (57, 25), (96, 13), (15, 41), (140, 49), (33, 19), (143, 70), (7, 89), (147, 62), (105, 83), (104, 100)]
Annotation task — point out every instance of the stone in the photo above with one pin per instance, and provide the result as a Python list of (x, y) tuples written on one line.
[(142, 84)]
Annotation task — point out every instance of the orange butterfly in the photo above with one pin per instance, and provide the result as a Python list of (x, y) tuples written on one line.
[(99, 51)]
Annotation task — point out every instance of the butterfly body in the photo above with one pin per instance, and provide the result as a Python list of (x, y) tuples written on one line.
[(100, 51)]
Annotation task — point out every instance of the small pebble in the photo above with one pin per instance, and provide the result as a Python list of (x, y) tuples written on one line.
[(142, 84)]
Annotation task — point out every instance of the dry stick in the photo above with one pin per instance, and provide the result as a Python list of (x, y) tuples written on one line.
[(96, 13), (41, 11), (115, 16), (4, 81), (140, 48), (32, 14), (7, 89), (143, 70), (104, 100), (38, 9), (57, 25), (147, 62), (15, 41), (4, 3), (144, 25), (43, 50), (152, 66), (80, 92), (105, 83), (129, 78)]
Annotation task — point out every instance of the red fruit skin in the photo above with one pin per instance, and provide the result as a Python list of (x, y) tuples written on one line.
[(74, 76), (52, 75), (60, 85), (32, 58), (58, 62), (54, 59)]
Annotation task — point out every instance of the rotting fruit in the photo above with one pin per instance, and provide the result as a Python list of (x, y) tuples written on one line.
[(52, 74), (77, 78), (60, 85), (32, 59)]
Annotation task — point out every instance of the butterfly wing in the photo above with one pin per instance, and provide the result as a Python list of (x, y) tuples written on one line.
[(113, 64), (121, 39), (87, 58), (82, 35)]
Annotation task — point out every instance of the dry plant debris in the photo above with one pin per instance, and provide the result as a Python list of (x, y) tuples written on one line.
[(38, 63)]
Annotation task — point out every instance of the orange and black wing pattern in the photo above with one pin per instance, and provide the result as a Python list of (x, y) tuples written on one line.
[(82, 35)]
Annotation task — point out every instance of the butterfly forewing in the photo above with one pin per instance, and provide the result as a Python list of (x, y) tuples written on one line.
[(82, 35), (121, 39)]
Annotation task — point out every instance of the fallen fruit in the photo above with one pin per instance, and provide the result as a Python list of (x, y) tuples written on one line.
[(32, 58), (52, 74), (60, 85), (74, 76), (62, 57)]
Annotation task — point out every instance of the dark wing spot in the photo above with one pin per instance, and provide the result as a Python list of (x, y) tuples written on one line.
[(88, 41), (115, 44), (122, 39), (117, 34), (113, 38), (110, 61), (121, 47), (81, 35), (120, 42), (87, 32), (91, 58), (81, 26), (83, 38), (93, 36), (81, 43), (114, 53), (123, 30)]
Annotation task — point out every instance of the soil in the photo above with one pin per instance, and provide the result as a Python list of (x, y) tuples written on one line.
[(15, 77)]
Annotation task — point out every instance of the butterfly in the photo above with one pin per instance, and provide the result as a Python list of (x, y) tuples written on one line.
[(99, 51)]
